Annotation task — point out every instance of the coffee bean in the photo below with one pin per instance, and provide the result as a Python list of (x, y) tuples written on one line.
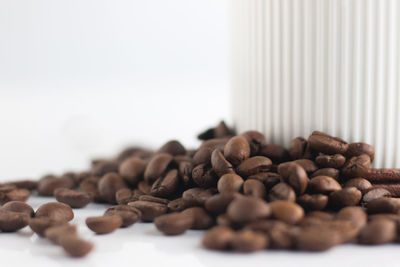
[(378, 232), (108, 185), (196, 196), (394, 189), (56, 211), (90, 186), (11, 221), (269, 179), (354, 214), (308, 165), (75, 199), (282, 191), (150, 210), (157, 166), (14, 195), (389, 216), (347, 230), (219, 164), (218, 203), (19, 206), (249, 241), (254, 165), (173, 147), (173, 223), (201, 219), (75, 246), (185, 172), (256, 141), (167, 185), (276, 153), (313, 202), (321, 215), (218, 238), (323, 185), (324, 143), (128, 214), (54, 233), (40, 224), (104, 166), (316, 240), (237, 149), (374, 194), (255, 188), (222, 130), (382, 176), (203, 154), (356, 166), (248, 209), (204, 176), (331, 172), (132, 169), (104, 224), (176, 205), (349, 196), (297, 148), (230, 183), (384, 205), (357, 149), (360, 183), (154, 199), (330, 161), (294, 175), (124, 196), (144, 187), (24, 184), (287, 211), (224, 220)]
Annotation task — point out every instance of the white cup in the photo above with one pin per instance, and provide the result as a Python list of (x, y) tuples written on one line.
[(328, 65)]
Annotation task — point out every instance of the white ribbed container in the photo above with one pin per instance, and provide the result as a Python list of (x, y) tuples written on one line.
[(329, 65)]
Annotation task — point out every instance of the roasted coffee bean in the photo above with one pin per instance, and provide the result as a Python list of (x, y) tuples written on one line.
[(356, 166), (196, 196), (349, 196), (124, 196), (173, 147), (321, 215), (287, 211), (276, 153), (90, 186), (167, 185), (324, 143), (222, 130), (128, 214), (313, 239), (224, 220), (331, 172), (308, 165), (374, 194), (377, 232), (218, 203), (357, 149), (219, 164), (254, 165), (204, 176), (297, 148), (49, 183), (323, 185), (102, 167), (14, 195), (282, 191), (360, 183), (294, 175), (269, 179), (313, 202), (185, 172), (25, 184), (40, 224), (157, 166), (248, 209), (237, 150), (230, 183), (154, 199), (354, 214), (176, 205), (331, 161), (201, 219), (389, 216), (56, 211), (144, 187), (75, 247), (108, 185), (54, 233), (132, 169), (203, 154), (104, 224), (394, 189), (75, 199), (11, 221), (382, 176), (150, 210), (256, 141), (384, 205), (249, 241), (347, 230), (173, 223), (134, 151), (218, 238), (19, 206), (255, 188)]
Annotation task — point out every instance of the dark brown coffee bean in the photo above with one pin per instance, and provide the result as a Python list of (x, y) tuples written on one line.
[(108, 185), (354, 214), (218, 238), (356, 166), (249, 241), (282, 191), (394, 189), (176, 205), (201, 219), (331, 172), (40, 224), (104, 224), (25, 184), (378, 232), (224, 220), (308, 165), (128, 214), (287, 211), (374, 194), (54, 233), (389, 216), (157, 166), (219, 164), (154, 199), (256, 141), (204, 176), (276, 153), (203, 154), (347, 230), (317, 239), (248, 209), (313, 202), (330, 161), (294, 175), (104, 166), (173, 147), (222, 130), (254, 165), (14, 195), (134, 151), (324, 143), (357, 149), (132, 169), (323, 185), (56, 211), (218, 203), (349, 196), (11, 221), (124, 196), (230, 183), (167, 185), (185, 172), (196, 196), (75, 247), (173, 223), (75, 199), (269, 179), (49, 183), (150, 210), (360, 183), (255, 188), (297, 148), (90, 186), (384, 205), (19, 206), (144, 187), (237, 150), (382, 176)]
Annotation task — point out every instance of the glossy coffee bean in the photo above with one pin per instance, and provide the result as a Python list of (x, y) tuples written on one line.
[(360, 183), (308, 165), (173, 223), (144, 187), (297, 148), (354, 214), (157, 166), (294, 175), (349, 196), (357, 149), (154, 199), (56, 211), (255, 188), (108, 185), (167, 185), (330, 161), (132, 169), (124, 196), (13, 194), (149, 210), (356, 166), (378, 232), (237, 149), (11, 221), (230, 183), (203, 153), (218, 203), (75, 199), (323, 185), (276, 153), (249, 241), (201, 219), (76, 247), (176, 205), (20, 207), (90, 186), (40, 224), (49, 183), (104, 224), (282, 191), (196, 196), (204, 176), (384, 205), (219, 164), (185, 171), (324, 143), (269, 179), (313, 202), (128, 214), (54, 233), (287, 211), (173, 147), (256, 141), (248, 209), (254, 165), (218, 238), (331, 172), (375, 193)]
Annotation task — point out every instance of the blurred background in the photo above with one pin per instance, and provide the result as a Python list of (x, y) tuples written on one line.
[(84, 78)]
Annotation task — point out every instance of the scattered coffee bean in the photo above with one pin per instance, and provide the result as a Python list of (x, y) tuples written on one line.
[(167, 185), (219, 164), (218, 238), (150, 210), (331, 172), (128, 214), (294, 175), (75, 246), (75, 199), (25, 184), (308, 165), (313, 202), (173, 223), (49, 183), (230, 183), (374, 194), (297, 148), (108, 185), (324, 143), (201, 219), (40, 224), (331, 161), (384, 205), (357, 149), (176, 205), (204, 176), (11, 221), (393, 189), (56, 211), (269, 179), (354, 214), (255, 188), (196, 196), (54, 233), (124, 196), (276, 153), (173, 147), (349, 196), (357, 166), (248, 209), (287, 211), (218, 203), (236, 150), (323, 185), (256, 141), (154, 199), (104, 224), (203, 154), (157, 166), (19, 206), (132, 169), (382, 176), (378, 232)]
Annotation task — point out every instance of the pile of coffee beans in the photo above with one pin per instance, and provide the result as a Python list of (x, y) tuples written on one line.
[(247, 194)]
